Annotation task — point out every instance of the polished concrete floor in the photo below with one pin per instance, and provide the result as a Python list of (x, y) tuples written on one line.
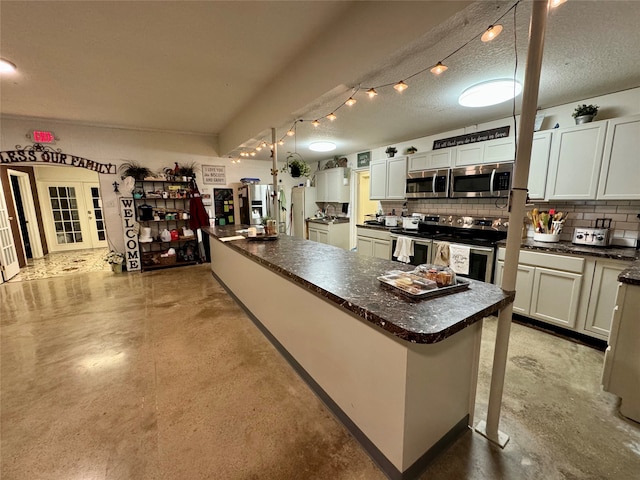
[(58, 264), (162, 376)]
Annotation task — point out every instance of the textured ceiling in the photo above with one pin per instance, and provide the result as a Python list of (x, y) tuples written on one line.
[(222, 67)]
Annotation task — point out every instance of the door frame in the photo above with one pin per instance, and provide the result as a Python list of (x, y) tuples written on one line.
[(24, 184), (7, 270)]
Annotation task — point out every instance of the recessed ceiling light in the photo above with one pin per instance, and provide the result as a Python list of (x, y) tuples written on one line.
[(490, 93), (6, 66), (322, 146)]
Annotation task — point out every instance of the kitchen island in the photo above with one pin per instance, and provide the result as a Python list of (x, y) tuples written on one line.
[(399, 374)]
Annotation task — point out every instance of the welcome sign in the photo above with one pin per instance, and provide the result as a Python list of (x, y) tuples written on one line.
[(42, 154), (131, 252)]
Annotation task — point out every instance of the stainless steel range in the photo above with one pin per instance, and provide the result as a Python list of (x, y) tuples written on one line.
[(480, 235)]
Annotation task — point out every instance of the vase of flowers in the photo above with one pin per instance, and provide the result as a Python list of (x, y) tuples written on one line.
[(585, 113), (115, 259)]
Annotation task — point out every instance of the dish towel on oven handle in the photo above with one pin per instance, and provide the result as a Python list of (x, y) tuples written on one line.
[(459, 261), (442, 254), (404, 249)]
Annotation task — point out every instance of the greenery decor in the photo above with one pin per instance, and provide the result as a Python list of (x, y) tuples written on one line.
[(296, 166), (391, 151), (583, 109), (114, 258), (411, 150), (133, 169), (187, 170)]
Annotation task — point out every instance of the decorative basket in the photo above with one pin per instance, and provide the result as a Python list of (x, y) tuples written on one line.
[(169, 260)]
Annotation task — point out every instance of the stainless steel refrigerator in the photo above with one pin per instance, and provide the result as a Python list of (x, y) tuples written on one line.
[(303, 206), (255, 203)]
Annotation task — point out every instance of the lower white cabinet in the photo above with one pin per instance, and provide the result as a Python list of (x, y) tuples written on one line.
[(602, 298), (336, 234), (374, 243), (569, 291)]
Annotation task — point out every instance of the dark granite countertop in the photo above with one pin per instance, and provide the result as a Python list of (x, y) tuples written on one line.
[(631, 275), (376, 227), (350, 281), (567, 248), (329, 221)]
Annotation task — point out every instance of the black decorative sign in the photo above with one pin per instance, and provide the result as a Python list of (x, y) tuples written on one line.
[(474, 137), (364, 159), (38, 153)]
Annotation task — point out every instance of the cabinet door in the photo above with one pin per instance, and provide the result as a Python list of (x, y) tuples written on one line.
[(417, 162), (382, 249), (574, 164), (378, 179), (321, 186), (365, 246), (603, 297), (539, 165), (555, 296), (441, 158), (313, 234), (471, 154), (396, 178), (500, 150), (524, 286), (323, 236), (620, 174)]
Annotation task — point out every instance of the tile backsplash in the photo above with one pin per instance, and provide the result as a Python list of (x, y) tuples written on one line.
[(625, 224)]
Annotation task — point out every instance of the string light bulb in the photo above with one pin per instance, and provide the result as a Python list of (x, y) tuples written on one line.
[(315, 123), (492, 32), (290, 133), (439, 68), (350, 102), (258, 148), (263, 144), (556, 3), (253, 154), (372, 92), (280, 142), (401, 86), (332, 116)]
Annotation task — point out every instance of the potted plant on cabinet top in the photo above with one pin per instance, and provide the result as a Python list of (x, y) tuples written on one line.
[(585, 113), (411, 150), (391, 151), (133, 169), (296, 166)]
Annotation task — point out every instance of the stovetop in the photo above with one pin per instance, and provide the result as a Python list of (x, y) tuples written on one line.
[(460, 229)]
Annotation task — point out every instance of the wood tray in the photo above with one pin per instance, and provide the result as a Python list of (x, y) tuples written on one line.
[(419, 288)]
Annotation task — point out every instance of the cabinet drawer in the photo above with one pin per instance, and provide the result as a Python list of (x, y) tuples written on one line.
[(548, 260), (373, 233)]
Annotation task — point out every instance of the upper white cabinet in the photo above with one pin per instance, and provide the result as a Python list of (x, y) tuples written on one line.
[(417, 162), (491, 151), (388, 178), (540, 149), (620, 173), (331, 186), (575, 161), (432, 160)]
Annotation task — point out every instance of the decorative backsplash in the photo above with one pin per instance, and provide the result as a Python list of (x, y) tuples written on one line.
[(623, 213)]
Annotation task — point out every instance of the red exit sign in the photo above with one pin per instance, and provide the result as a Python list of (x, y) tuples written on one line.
[(42, 136)]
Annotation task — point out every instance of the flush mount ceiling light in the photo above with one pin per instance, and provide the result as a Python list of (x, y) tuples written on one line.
[(490, 93), (6, 66), (322, 146)]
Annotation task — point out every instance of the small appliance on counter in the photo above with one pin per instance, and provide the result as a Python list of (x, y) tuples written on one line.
[(410, 223), (390, 221), (599, 236)]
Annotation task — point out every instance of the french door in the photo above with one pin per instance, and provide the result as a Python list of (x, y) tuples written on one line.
[(74, 217), (8, 256)]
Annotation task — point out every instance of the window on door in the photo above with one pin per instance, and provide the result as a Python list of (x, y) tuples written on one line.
[(66, 215)]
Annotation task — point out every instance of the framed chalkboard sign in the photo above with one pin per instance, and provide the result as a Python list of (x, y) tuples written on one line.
[(364, 158)]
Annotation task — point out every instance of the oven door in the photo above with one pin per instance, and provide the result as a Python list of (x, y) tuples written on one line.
[(481, 181), (428, 184), (481, 261), (421, 250)]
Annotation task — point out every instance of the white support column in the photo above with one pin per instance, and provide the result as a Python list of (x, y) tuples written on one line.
[(274, 172), (517, 212)]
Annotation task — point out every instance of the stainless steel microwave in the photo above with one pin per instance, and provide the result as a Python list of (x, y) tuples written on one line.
[(428, 183), (482, 180)]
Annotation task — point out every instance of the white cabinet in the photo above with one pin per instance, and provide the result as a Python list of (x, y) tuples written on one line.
[(555, 296), (492, 151), (388, 178), (374, 243), (575, 160), (620, 173), (602, 296), (417, 162), (331, 186), (432, 160), (548, 286), (336, 234), (471, 154), (524, 287), (540, 149), (499, 150)]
